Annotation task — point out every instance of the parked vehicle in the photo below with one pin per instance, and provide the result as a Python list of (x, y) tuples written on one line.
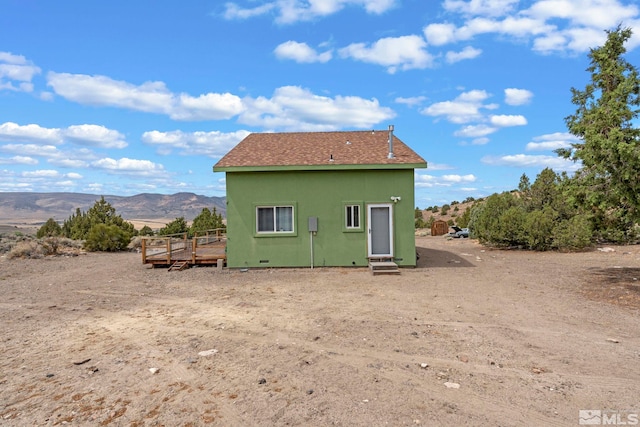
[(459, 232)]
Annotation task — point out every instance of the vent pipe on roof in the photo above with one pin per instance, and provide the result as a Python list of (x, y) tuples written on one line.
[(391, 156)]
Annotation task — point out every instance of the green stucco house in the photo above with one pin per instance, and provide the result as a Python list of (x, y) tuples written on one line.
[(320, 199)]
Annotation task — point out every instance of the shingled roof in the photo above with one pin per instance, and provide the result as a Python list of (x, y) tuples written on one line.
[(319, 150)]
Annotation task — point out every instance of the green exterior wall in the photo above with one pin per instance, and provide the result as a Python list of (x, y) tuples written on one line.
[(321, 194)]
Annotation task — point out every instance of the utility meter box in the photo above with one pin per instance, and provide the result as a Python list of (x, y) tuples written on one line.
[(313, 223)]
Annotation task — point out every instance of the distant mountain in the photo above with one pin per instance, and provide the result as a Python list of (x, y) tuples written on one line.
[(36, 207)]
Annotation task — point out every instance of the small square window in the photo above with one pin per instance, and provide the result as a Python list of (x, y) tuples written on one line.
[(352, 216)]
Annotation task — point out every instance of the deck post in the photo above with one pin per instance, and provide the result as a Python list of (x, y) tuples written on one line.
[(168, 250), (144, 250), (194, 245)]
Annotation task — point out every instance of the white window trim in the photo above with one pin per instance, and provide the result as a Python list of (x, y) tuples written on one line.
[(275, 231), (358, 217)]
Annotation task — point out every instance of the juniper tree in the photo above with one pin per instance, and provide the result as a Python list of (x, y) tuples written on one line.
[(609, 147)]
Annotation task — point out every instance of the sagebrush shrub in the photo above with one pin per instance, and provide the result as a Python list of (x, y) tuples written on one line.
[(26, 249)]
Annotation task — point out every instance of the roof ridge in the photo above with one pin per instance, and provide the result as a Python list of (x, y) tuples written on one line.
[(320, 149), (328, 131)]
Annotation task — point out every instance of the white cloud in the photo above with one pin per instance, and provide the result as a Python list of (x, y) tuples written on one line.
[(395, 53), (300, 52), (504, 120), (64, 185), (481, 7), (465, 108), (10, 131), (211, 106), (480, 141), (426, 181), (439, 166), (295, 108), (44, 173), (46, 96), (291, 107), (459, 178), (94, 136), (376, 6), (538, 161), (95, 187), (233, 11), (213, 144), (572, 26), (474, 131), (584, 13), (68, 163), (466, 53), (18, 160), (552, 141), (150, 97), (430, 181), (16, 186), (471, 107), (31, 150), (515, 27), (513, 96), (289, 11), (128, 166), (86, 134), (440, 34), (16, 72), (25, 154), (583, 39), (410, 101)]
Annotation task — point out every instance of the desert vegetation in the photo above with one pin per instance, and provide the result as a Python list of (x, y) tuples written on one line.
[(100, 229), (20, 244), (600, 202)]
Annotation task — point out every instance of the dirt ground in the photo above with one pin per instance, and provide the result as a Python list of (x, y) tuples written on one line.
[(471, 337)]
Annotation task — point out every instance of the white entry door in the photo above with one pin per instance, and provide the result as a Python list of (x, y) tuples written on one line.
[(380, 222)]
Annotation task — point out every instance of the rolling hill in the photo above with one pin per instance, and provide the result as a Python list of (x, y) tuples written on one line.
[(35, 208)]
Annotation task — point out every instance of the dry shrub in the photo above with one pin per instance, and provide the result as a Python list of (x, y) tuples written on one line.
[(26, 249), (135, 244), (38, 248)]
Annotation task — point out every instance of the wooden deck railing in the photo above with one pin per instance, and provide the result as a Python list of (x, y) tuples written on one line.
[(168, 248)]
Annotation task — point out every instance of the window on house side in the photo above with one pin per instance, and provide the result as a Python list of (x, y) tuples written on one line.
[(275, 219), (353, 216)]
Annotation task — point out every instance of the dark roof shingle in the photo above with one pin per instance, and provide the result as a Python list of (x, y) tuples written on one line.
[(318, 149)]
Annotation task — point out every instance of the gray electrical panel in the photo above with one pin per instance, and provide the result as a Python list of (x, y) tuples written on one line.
[(313, 223)]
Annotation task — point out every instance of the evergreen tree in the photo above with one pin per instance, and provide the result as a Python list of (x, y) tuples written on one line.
[(80, 226), (609, 149), (110, 238), (524, 186), (77, 226), (177, 226), (419, 220), (544, 191), (206, 220), (51, 228), (463, 220), (146, 231)]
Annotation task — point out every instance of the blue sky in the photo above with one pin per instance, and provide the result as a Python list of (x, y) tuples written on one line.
[(126, 97)]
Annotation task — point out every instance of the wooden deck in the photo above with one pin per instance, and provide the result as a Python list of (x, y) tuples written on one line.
[(164, 251)]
